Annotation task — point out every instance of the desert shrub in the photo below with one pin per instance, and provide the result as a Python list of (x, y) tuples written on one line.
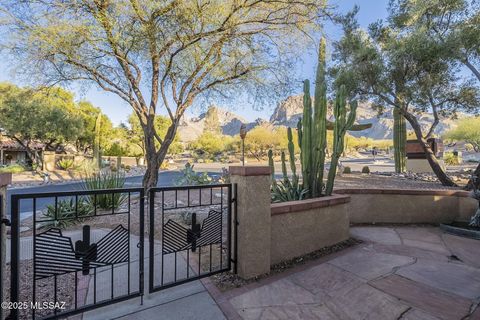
[(209, 144), (366, 169), (451, 159), (13, 168), (105, 180), (65, 215), (347, 170), (190, 178), (65, 163)]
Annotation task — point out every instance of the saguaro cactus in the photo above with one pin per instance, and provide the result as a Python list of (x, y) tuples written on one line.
[(399, 141), (343, 123)]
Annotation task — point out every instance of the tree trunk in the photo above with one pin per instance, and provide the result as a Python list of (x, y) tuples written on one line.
[(155, 158), (431, 158), (150, 178), (399, 141)]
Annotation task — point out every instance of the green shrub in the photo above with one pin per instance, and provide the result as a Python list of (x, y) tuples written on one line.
[(366, 169), (13, 168), (347, 170), (105, 180), (451, 159), (65, 163), (65, 216), (190, 178)]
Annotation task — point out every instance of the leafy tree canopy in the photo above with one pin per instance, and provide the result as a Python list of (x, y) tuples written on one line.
[(467, 130), (30, 116), (163, 54)]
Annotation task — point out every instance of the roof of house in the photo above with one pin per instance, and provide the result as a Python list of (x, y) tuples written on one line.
[(12, 145)]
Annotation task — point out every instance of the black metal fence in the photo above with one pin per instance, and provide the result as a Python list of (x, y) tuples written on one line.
[(71, 252), (191, 237), (77, 251)]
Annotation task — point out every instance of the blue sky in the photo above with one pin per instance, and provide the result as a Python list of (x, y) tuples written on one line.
[(118, 111)]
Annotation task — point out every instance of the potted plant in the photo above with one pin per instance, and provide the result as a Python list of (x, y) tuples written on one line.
[(470, 229), (475, 194)]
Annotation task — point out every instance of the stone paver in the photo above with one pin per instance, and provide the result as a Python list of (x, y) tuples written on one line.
[(369, 264), (465, 249), (424, 234), (326, 281), (399, 273), (280, 293), (381, 235), (415, 314), (303, 312), (455, 278), (435, 302), (366, 302), (413, 252)]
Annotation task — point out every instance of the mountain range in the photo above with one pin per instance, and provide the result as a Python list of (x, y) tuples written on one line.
[(288, 111)]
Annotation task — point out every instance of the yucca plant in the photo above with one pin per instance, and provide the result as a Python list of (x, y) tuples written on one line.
[(67, 214), (105, 180)]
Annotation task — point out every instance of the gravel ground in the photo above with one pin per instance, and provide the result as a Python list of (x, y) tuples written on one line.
[(389, 181)]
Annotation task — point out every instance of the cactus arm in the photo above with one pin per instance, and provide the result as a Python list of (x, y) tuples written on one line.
[(284, 166), (291, 152), (352, 115), (320, 126), (355, 127), (306, 135), (272, 166)]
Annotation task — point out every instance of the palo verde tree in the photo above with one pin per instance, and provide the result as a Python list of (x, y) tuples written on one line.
[(162, 55), (404, 69)]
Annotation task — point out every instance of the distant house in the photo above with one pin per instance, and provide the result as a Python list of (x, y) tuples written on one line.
[(12, 152)]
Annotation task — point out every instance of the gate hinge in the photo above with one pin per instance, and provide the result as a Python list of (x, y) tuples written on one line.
[(6, 222), (234, 200)]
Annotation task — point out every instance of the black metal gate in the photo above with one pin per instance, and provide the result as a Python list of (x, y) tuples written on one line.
[(71, 252), (75, 251), (190, 233)]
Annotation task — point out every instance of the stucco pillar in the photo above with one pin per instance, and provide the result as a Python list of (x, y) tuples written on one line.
[(49, 161), (254, 219), (5, 180)]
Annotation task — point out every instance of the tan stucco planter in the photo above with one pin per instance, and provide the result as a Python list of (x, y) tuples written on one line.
[(370, 206), (301, 227)]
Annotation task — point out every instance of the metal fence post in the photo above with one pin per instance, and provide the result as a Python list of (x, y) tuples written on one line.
[(5, 179)]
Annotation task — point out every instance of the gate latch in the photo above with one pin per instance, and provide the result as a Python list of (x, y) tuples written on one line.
[(6, 222)]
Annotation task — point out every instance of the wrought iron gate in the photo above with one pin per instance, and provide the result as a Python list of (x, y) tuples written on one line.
[(78, 251), (71, 252), (190, 234)]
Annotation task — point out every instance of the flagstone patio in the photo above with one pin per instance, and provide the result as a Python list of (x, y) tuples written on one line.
[(397, 273)]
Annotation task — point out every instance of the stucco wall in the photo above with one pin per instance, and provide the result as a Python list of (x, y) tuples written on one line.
[(408, 206), (301, 227)]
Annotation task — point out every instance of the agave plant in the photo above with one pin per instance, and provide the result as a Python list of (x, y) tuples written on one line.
[(288, 190), (66, 214)]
